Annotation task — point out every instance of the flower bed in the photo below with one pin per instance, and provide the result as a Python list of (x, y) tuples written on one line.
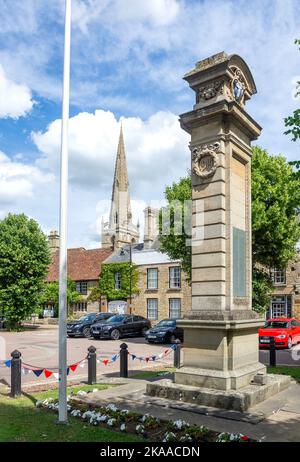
[(147, 426)]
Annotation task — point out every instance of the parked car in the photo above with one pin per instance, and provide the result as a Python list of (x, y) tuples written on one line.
[(166, 331), (82, 326), (285, 330), (121, 325), (2, 322)]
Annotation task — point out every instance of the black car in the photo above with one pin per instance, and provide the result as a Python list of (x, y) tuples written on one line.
[(82, 326), (121, 325), (166, 331)]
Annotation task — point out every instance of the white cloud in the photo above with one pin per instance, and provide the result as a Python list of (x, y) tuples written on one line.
[(157, 144), (15, 99), (19, 181)]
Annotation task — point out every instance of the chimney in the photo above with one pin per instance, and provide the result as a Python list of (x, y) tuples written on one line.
[(151, 226), (53, 240)]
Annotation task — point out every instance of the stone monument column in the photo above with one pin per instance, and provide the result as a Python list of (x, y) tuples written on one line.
[(221, 365), (221, 340)]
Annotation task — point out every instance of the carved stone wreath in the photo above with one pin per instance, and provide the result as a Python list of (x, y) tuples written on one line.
[(210, 90), (205, 160)]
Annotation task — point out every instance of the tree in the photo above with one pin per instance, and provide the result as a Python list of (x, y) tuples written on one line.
[(51, 295), (275, 225), (275, 209), (24, 260), (292, 122), (174, 242), (107, 281)]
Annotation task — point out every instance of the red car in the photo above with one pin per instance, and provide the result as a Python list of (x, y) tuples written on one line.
[(285, 330)]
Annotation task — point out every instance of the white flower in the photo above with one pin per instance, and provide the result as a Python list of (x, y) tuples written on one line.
[(94, 390), (179, 424), (140, 428), (76, 413), (102, 418), (185, 438), (124, 412), (39, 403), (123, 427), (111, 422), (169, 436), (81, 393), (112, 407)]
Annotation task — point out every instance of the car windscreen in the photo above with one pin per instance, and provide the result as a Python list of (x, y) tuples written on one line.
[(115, 319), (86, 318), (276, 325), (166, 323)]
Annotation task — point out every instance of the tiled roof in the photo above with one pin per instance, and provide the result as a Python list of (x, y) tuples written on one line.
[(83, 265)]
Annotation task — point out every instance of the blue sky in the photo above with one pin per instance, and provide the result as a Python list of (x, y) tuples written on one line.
[(128, 59)]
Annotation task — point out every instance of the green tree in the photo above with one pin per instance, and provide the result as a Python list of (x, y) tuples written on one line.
[(107, 281), (174, 237), (275, 225), (51, 295), (275, 209), (24, 260), (292, 122)]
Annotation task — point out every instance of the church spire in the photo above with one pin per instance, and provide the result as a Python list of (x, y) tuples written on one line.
[(121, 230)]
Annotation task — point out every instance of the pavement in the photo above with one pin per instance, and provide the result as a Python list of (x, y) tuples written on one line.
[(39, 347), (275, 420)]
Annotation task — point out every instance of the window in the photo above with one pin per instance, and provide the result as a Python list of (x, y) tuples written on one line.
[(118, 281), (152, 308), (277, 276), (81, 287), (175, 277), (175, 308), (152, 278), (80, 306)]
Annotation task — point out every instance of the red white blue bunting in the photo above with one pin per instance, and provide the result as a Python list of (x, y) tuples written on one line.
[(53, 372)]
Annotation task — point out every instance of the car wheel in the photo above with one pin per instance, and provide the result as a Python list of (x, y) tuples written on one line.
[(86, 332), (71, 336), (144, 330), (115, 334), (290, 343)]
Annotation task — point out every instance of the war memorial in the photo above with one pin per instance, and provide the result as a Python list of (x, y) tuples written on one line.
[(220, 355)]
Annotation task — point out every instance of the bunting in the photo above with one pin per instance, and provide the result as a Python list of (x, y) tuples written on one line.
[(53, 372)]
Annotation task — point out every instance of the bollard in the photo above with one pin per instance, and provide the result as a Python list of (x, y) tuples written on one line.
[(177, 352), (16, 367), (124, 360), (272, 352), (92, 365)]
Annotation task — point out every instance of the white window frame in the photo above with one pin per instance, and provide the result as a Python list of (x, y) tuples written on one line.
[(82, 287), (178, 308), (175, 279), (118, 281), (152, 311), (278, 276), (152, 281)]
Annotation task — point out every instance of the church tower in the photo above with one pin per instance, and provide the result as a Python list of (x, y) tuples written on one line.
[(120, 230)]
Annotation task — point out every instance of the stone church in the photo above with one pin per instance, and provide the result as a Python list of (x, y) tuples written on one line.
[(164, 289)]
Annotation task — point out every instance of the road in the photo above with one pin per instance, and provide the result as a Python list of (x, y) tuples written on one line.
[(39, 348)]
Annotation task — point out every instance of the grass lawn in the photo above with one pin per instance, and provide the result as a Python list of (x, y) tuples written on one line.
[(293, 371), (21, 421)]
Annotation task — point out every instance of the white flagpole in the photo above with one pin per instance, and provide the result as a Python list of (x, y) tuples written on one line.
[(63, 415)]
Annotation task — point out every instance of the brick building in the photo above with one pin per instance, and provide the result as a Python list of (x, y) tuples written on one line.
[(164, 289), (84, 267), (286, 295)]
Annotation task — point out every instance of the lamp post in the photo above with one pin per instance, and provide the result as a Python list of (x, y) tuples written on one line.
[(62, 410)]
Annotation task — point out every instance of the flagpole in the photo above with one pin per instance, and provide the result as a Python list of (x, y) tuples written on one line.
[(62, 414)]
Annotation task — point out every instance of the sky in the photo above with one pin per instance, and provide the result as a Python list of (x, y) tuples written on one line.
[(127, 62)]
